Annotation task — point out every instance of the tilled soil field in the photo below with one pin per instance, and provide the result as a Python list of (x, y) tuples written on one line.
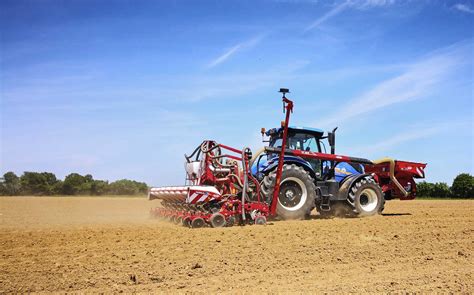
[(82, 244)]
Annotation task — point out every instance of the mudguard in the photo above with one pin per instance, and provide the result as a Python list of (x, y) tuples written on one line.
[(346, 184), (343, 170)]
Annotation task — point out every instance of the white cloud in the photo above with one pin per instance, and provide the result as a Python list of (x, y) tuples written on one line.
[(411, 135), (298, 1), (464, 8), (416, 82), (357, 4), (328, 15), (374, 3), (405, 136), (233, 50), (231, 85)]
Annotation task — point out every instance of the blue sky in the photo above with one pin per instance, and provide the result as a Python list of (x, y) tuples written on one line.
[(122, 89)]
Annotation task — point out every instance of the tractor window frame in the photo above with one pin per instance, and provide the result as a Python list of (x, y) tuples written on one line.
[(299, 143)]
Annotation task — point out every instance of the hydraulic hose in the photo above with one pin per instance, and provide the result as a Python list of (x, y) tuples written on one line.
[(237, 178), (392, 174), (255, 156)]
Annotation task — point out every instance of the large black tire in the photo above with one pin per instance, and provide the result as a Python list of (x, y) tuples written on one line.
[(366, 197), (297, 192)]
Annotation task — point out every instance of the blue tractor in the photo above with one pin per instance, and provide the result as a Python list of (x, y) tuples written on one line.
[(300, 191)]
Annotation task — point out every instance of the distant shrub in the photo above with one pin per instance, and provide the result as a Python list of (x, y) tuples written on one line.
[(34, 183), (127, 187), (46, 183), (440, 190), (76, 184), (99, 187), (424, 189), (463, 186), (11, 185)]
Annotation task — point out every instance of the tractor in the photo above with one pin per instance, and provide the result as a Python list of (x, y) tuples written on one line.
[(287, 179)]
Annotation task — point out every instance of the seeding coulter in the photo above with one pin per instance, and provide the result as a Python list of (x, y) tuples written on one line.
[(286, 180)]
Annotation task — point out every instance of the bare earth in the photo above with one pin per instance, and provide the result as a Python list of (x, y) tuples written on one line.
[(82, 244)]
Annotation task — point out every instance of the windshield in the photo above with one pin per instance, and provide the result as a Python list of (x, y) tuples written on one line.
[(298, 141)]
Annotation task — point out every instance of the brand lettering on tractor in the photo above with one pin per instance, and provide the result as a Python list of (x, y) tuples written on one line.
[(343, 171)]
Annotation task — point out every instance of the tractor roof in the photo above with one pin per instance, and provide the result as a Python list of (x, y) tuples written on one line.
[(313, 131)]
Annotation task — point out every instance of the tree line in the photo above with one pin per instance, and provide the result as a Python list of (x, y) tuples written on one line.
[(462, 188), (46, 184)]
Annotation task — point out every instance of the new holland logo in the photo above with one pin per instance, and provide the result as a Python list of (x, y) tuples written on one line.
[(343, 171)]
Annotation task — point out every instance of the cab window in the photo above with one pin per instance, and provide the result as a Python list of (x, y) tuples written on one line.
[(310, 145)]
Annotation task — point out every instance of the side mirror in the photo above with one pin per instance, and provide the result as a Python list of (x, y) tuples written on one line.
[(332, 138)]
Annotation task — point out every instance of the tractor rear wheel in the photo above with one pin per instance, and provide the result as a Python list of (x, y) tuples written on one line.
[(366, 197), (297, 192)]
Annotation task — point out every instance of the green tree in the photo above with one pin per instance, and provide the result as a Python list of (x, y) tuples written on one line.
[(142, 187), (76, 184), (34, 183), (58, 187), (127, 187), (440, 190), (463, 186), (424, 189), (99, 187), (11, 185)]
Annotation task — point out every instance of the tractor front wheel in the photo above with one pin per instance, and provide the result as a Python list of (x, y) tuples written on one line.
[(366, 197)]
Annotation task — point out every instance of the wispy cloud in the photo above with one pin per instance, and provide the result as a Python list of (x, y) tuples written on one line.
[(233, 50), (79, 94), (416, 82), (373, 3), (357, 4), (328, 15), (464, 8), (231, 85), (411, 135)]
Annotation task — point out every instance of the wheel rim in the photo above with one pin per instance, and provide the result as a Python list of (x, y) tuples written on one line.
[(186, 221), (230, 221), (293, 194), (198, 222), (218, 220), (368, 200), (260, 220)]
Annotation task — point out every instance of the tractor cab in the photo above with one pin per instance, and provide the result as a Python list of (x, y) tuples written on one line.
[(303, 139)]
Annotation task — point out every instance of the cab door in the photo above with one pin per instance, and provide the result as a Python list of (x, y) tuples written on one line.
[(311, 144)]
